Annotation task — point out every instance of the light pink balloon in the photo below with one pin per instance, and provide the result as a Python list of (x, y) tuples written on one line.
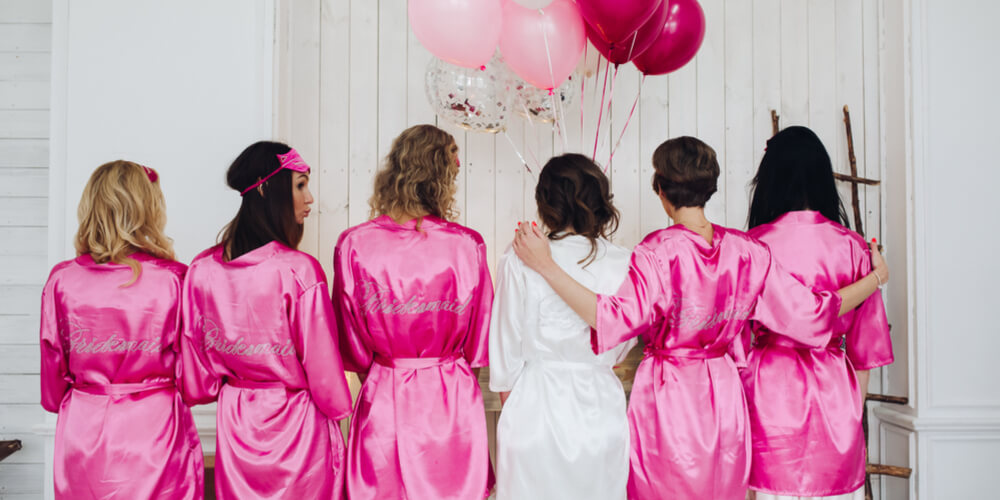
[(524, 36), (462, 32)]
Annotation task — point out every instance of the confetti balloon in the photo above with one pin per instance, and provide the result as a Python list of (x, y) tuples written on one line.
[(471, 98), (537, 105)]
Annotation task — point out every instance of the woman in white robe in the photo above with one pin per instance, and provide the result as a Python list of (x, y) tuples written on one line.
[(563, 431)]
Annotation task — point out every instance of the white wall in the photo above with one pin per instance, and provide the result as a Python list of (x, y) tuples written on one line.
[(943, 103), (25, 46)]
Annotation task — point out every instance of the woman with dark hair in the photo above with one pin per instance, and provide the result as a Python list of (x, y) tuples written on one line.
[(563, 432), (806, 402), (260, 338), (691, 290), (413, 295)]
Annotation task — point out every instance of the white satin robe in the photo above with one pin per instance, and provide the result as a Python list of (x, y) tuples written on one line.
[(563, 433)]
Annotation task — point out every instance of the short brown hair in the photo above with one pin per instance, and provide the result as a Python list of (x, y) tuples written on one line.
[(418, 175), (573, 193), (687, 171)]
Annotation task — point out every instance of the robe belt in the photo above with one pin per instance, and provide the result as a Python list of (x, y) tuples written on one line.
[(416, 363), (685, 352), (123, 388), (240, 383), (780, 340)]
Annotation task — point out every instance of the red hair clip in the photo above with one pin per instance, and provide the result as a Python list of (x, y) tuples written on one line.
[(153, 176)]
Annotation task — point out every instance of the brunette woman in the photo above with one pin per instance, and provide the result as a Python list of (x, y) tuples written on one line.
[(109, 337), (259, 338)]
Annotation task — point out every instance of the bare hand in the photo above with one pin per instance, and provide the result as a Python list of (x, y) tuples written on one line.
[(532, 247), (879, 267)]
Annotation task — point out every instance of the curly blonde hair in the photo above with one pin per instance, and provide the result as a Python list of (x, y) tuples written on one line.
[(122, 211), (418, 175)]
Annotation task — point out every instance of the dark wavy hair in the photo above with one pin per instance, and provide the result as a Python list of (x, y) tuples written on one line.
[(266, 213), (574, 194), (795, 174), (686, 171)]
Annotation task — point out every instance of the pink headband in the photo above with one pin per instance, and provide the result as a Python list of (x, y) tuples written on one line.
[(290, 160)]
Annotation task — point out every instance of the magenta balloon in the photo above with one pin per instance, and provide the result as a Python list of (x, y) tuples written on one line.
[(524, 35), (614, 20), (462, 32), (678, 42), (625, 50)]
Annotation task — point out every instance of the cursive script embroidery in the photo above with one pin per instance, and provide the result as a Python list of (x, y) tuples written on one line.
[(214, 342), (696, 318), (81, 342), (379, 299)]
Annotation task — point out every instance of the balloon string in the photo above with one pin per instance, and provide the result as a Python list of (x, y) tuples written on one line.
[(600, 110), (611, 98), (632, 47), (627, 120), (583, 80), (518, 153), (552, 78)]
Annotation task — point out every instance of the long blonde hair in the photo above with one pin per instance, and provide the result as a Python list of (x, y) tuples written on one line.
[(418, 175), (122, 211)]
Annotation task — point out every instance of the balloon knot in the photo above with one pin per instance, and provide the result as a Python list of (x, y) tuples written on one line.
[(551, 92), (482, 68)]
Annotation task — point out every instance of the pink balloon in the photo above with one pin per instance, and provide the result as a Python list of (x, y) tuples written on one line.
[(462, 32), (524, 36), (625, 50), (678, 43), (614, 20)]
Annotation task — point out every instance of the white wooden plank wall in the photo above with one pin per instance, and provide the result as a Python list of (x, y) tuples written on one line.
[(25, 47)]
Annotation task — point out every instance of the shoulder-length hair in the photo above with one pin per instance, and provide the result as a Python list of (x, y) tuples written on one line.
[(418, 175), (122, 211), (574, 194), (267, 213), (794, 174)]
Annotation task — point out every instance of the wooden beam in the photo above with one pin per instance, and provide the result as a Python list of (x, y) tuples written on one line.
[(859, 180), (7, 448), (889, 470)]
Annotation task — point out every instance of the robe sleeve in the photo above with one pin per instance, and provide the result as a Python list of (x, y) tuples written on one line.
[(638, 304), (352, 338), (199, 384), (477, 341), (55, 378), (507, 324), (868, 342), (314, 324), (788, 307)]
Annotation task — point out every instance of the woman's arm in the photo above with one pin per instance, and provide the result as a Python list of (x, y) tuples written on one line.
[(533, 249), (863, 377), (854, 294)]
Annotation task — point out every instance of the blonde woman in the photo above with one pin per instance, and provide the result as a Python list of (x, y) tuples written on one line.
[(413, 295), (109, 331)]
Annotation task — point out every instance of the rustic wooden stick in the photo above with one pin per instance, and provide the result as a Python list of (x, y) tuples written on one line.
[(889, 470), (859, 180), (854, 173), (896, 400), (9, 447), (774, 123)]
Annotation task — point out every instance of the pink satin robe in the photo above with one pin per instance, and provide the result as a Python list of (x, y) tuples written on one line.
[(413, 313), (691, 301), (259, 338), (805, 404), (108, 360)]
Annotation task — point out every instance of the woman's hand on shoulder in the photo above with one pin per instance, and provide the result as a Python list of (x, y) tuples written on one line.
[(532, 247)]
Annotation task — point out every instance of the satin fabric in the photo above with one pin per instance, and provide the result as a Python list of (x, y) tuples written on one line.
[(858, 494), (805, 404), (563, 433), (259, 338), (413, 314), (691, 301), (108, 358)]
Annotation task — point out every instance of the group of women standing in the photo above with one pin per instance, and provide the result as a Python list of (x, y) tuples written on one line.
[(130, 338)]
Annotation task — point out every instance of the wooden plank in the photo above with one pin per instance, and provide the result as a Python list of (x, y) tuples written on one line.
[(24, 153), (24, 182), (25, 11), (418, 109), (653, 118), (23, 241), (21, 481), (20, 299), (871, 165), (19, 360), (794, 63), (509, 173), (24, 95), (739, 110), (850, 92), (34, 37), (767, 54), (25, 66), (363, 106), (23, 270), (480, 181), (711, 96), (18, 329), (334, 132), (20, 389), (24, 212), (392, 59), (540, 139), (683, 110), (626, 160), (825, 116), (24, 124)]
